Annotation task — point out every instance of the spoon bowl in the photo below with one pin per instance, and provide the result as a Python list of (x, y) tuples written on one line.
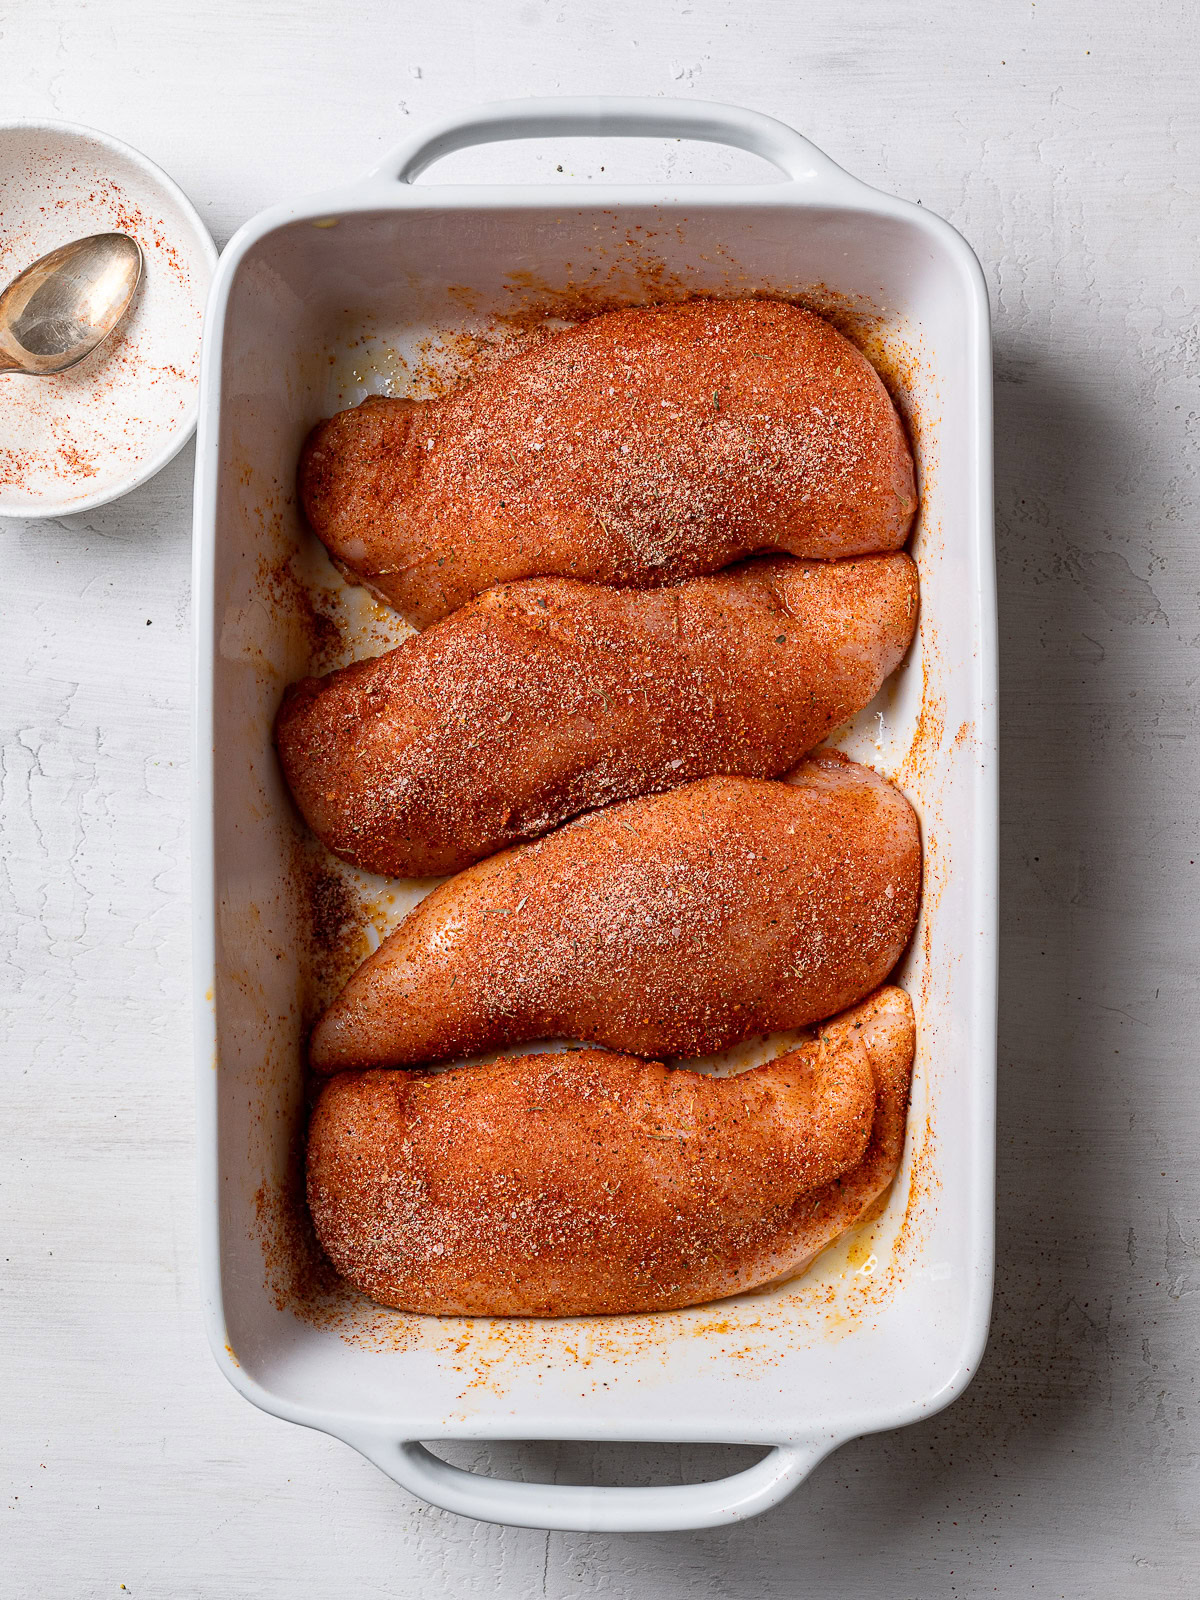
[(59, 309)]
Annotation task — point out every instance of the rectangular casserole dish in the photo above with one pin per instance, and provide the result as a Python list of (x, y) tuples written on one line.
[(313, 305)]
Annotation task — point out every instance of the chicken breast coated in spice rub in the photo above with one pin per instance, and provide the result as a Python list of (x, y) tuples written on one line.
[(672, 925), (567, 1184), (637, 448), (544, 699)]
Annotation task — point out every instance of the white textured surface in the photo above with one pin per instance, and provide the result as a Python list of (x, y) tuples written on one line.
[(1063, 139)]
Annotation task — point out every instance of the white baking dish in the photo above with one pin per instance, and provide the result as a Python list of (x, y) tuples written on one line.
[(313, 304)]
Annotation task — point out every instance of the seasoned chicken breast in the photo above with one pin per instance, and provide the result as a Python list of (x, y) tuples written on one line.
[(675, 924), (567, 1184), (543, 699), (637, 448)]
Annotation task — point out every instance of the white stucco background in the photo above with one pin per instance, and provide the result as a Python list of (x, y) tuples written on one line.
[(1063, 138)]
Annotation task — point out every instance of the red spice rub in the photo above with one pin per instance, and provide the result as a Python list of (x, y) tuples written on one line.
[(569, 1184), (543, 699), (676, 924), (638, 448)]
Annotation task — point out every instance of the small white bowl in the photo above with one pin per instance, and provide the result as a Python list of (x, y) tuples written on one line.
[(87, 436)]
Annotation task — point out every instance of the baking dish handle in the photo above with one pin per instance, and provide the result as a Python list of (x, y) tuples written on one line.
[(579, 1509), (615, 117)]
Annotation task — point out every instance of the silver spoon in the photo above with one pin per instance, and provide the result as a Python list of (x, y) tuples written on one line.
[(64, 305)]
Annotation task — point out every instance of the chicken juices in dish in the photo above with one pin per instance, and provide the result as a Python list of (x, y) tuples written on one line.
[(544, 699), (638, 448), (672, 925)]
